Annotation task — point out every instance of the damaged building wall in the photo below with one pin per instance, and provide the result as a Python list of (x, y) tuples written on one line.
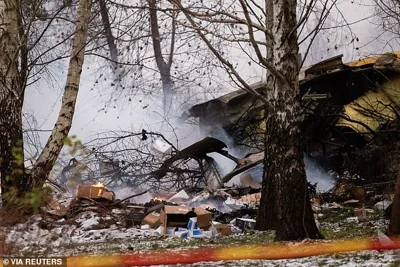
[(332, 93), (373, 110)]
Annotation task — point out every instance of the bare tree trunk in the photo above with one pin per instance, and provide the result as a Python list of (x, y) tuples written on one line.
[(163, 67), (108, 33), (12, 172), (285, 205), (265, 220), (47, 158), (394, 225)]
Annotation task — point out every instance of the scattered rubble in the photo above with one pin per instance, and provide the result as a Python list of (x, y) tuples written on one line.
[(196, 215), (226, 212)]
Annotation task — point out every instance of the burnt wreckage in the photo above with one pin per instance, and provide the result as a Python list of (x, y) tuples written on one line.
[(345, 106)]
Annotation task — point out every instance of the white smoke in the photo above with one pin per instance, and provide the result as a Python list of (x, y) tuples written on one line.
[(316, 174), (225, 165), (124, 192)]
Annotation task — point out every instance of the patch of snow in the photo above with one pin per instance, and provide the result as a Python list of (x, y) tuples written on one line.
[(90, 222), (352, 219)]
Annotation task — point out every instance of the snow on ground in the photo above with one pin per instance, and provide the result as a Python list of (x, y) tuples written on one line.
[(36, 234), (354, 259), (99, 232)]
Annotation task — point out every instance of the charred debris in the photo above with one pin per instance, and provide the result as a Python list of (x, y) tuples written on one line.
[(351, 125), (350, 128)]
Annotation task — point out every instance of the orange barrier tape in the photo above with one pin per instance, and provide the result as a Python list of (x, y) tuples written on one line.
[(268, 252)]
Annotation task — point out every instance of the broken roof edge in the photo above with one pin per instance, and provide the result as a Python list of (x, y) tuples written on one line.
[(370, 60), (327, 66)]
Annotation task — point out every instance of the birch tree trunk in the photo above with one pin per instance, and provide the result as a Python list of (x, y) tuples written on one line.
[(285, 205), (12, 174), (47, 158)]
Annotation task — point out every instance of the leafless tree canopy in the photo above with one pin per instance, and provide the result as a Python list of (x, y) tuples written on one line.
[(136, 161)]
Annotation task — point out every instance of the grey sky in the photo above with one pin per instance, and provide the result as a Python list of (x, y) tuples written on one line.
[(43, 99)]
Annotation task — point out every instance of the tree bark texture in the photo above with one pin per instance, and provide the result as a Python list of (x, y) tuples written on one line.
[(108, 33), (285, 205), (163, 66), (47, 158), (12, 173)]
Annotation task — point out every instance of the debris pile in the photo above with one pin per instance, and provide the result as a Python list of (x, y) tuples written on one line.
[(208, 208), (180, 214)]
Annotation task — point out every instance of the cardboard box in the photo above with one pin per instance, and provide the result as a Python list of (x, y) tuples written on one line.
[(223, 229), (360, 213), (204, 217), (94, 192), (179, 216), (89, 191), (176, 216), (152, 219), (108, 195)]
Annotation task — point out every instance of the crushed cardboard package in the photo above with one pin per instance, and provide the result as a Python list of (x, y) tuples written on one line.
[(153, 216), (152, 219), (220, 228), (94, 192), (180, 216), (204, 217), (184, 222)]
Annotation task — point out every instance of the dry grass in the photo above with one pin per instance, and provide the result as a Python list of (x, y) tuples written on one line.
[(10, 217)]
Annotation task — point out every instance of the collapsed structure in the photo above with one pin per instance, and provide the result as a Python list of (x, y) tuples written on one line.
[(345, 105)]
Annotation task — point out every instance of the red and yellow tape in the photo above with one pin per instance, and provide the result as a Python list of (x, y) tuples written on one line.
[(267, 252)]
